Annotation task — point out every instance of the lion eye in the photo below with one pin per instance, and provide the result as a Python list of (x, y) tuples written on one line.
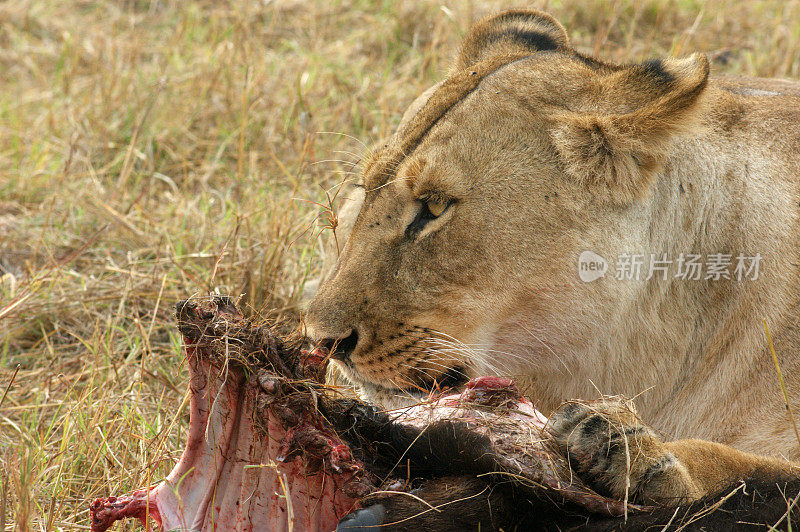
[(431, 209), (436, 207)]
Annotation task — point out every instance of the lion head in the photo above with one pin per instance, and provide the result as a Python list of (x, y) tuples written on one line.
[(470, 220)]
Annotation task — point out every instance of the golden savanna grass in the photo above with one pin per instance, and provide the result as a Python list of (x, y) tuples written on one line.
[(155, 150)]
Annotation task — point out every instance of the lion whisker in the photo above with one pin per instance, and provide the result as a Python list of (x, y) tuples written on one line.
[(364, 144), (341, 161), (350, 153)]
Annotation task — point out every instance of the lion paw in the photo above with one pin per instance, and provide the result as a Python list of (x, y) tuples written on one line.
[(614, 453)]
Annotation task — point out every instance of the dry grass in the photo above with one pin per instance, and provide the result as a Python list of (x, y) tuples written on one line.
[(151, 150)]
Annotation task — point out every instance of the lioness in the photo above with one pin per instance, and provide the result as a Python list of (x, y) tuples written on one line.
[(472, 222)]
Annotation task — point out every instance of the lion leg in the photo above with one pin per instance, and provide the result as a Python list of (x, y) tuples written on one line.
[(616, 454), (713, 466)]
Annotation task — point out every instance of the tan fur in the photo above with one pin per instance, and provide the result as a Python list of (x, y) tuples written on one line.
[(545, 153)]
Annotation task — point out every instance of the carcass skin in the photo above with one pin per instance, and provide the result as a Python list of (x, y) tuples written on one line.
[(235, 476), (271, 448), (239, 470), (519, 442)]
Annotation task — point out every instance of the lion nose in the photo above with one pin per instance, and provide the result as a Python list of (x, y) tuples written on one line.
[(340, 346)]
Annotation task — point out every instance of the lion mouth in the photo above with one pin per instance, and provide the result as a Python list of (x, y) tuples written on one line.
[(452, 380), (420, 386)]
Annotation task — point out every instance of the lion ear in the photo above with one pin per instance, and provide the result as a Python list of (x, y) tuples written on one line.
[(618, 153), (510, 32)]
